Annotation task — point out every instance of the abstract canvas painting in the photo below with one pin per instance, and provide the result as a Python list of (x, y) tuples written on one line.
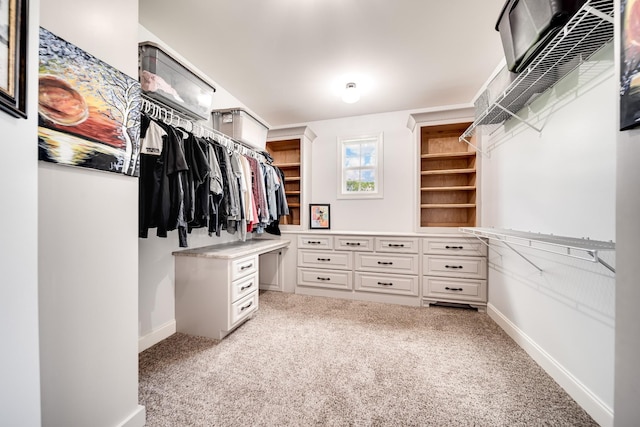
[(630, 64), (88, 111)]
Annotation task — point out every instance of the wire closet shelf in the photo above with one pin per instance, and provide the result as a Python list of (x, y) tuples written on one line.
[(591, 28), (177, 119), (579, 248)]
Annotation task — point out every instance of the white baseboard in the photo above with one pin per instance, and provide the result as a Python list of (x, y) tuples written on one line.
[(598, 410), (137, 419), (154, 337)]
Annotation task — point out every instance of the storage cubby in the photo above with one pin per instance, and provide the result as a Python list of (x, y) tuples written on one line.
[(286, 156), (447, 177)]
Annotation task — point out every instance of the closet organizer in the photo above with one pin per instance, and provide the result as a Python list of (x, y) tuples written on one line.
[(192, 176)]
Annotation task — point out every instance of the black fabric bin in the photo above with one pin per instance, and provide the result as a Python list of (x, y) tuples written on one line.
[(526, 26)]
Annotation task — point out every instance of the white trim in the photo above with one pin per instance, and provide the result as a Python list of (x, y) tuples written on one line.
[(154, 337), (598, 410), (136, 419)]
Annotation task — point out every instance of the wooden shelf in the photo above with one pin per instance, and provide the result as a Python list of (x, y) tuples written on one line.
[(292, 193), (457, 188), (448, 206), (294, 205), (448, 172), (291, 178), (448, 155), (287, 165)]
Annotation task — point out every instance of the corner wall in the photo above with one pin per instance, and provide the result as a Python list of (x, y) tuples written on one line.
[(19, 357), (560, 181), (88, 252)]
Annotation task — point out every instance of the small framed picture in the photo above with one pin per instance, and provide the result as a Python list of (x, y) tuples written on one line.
[(319, 216)]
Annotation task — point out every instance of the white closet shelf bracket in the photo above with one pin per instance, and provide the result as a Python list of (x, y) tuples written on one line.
[(577, 248), (464, 136)]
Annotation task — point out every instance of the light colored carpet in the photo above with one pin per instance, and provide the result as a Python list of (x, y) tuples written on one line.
[(303, 361)]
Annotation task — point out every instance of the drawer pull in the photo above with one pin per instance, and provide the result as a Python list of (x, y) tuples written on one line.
[(244, 267), (323, 278), (353, 244), (453, 289), (455, 267), (246, 306), (385, 263), (385, 284), (246, 287), (312, 242), (324, 259), (454, 247), (393, 245)]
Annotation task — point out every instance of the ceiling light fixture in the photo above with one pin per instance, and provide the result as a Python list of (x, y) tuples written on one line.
[(351, 93)]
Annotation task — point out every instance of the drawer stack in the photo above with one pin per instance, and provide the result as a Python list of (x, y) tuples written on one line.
[(455, 271), (360, 267)]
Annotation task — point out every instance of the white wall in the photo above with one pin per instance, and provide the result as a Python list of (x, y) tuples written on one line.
[(88, 252), (560, 181), (19, 357), (156, 264), (396, 211)]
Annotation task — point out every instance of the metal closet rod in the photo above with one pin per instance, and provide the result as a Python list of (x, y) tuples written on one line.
[(174, 118)]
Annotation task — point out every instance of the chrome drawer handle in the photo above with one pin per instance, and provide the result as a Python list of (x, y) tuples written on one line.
[(324, 259), (323, 278), (246, 306), (244, 267), (353, 244), (392, 245), (453, 266), (385, 284), (311, 242), (454, 247), (385, 263), (454, 289), (246, 287)]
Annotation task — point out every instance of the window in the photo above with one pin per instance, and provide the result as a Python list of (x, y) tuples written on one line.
[(360, 167)]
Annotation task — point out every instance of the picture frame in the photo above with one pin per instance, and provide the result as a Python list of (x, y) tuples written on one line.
[(13, 57), (320, 216)]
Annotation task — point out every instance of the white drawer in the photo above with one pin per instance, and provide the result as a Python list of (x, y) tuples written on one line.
[(455, 266), (397, 244), (457, 289), (244, 286), (353, 243), (454, 246), (388, 284), (322, 259), (243, 308), (325, 278), (315, 242), (243, 267), (387, 263)]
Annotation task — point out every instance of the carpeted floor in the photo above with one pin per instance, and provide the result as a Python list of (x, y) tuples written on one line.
[(303, 361)]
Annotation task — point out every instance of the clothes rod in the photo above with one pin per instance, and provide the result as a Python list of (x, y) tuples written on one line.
[(168, 115)]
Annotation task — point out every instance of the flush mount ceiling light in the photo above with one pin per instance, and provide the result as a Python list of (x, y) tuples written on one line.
[(351, 93)]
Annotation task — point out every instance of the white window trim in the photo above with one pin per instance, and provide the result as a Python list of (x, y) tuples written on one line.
[(379, 168)]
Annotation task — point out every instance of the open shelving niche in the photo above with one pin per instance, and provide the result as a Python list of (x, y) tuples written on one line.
[(591, 28), (584, 249)]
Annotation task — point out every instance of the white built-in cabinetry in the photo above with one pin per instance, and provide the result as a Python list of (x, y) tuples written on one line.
[(410, 269), (217, 286)]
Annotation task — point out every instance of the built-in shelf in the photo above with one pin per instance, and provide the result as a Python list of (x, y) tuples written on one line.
[(458, 188), (291, 178), (447, 171), (580, 248), (448, 155), (447, 205), (591, 28), (287, 165)]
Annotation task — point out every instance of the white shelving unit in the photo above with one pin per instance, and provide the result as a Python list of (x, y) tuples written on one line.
[(587, 31), (585, 249)]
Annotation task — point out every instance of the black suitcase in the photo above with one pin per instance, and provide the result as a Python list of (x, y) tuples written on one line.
[(526, 26)]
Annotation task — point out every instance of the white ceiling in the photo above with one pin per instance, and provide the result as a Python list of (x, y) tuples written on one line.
[(287, 59)]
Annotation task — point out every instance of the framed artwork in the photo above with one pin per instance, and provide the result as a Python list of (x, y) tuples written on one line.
[(319, 217), (13, 57), (88, 112), (630, 64)]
